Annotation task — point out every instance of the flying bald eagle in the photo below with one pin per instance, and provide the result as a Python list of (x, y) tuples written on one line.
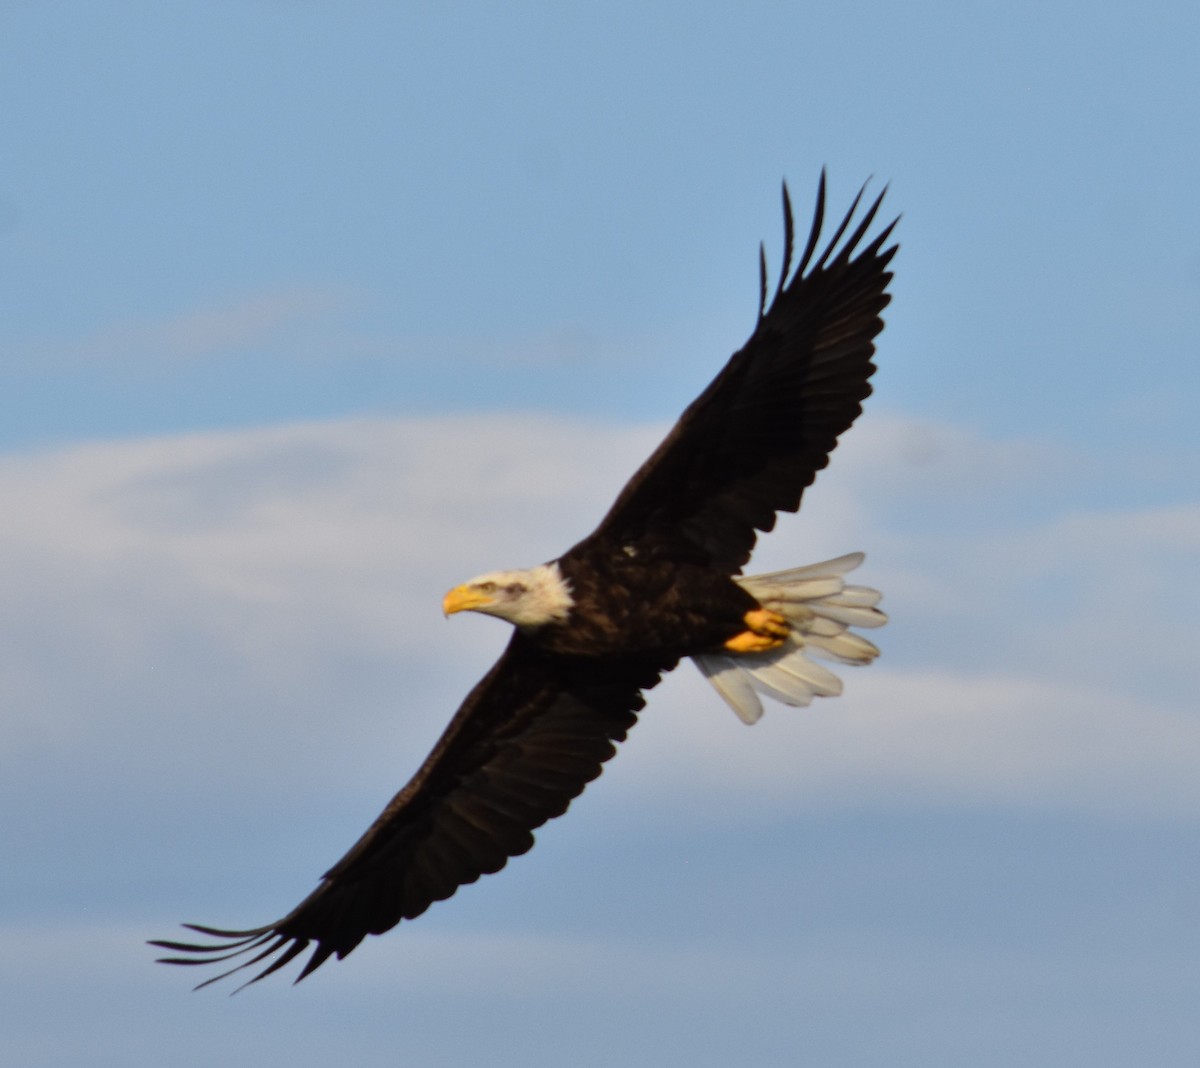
[(658, 580)]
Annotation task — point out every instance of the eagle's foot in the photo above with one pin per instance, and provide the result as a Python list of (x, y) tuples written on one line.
[(767, 631)]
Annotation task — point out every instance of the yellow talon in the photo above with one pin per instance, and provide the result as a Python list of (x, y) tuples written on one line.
[(767, 631)]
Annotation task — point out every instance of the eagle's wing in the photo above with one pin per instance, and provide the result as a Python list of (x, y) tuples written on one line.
[(525, 742), (747, 447)]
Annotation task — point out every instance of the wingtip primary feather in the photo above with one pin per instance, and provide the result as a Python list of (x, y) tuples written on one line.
[(814, 231), (836, 252), (837, 237), (262, 942), (789, 237), (762, 280)]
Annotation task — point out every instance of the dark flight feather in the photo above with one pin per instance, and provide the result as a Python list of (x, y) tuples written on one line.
[(751, 443), (526, 741)]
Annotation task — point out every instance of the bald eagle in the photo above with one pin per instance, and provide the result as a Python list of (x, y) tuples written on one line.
[(658, 580)]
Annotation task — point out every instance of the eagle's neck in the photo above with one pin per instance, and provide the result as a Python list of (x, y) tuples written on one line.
[(546, 599)]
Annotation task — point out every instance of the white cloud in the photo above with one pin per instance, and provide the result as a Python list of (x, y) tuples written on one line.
[(185, 603), (929, 737)]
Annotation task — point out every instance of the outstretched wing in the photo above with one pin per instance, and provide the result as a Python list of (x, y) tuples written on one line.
[(747, 447), (525, 742)]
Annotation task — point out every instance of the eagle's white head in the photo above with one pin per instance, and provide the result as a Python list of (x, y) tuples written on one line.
[(530, 598)]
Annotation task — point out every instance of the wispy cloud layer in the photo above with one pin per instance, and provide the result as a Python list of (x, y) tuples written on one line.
[(216, 330), (168, 596)]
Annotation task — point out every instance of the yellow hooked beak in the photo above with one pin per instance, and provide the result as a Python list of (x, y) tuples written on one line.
[(464, 599)]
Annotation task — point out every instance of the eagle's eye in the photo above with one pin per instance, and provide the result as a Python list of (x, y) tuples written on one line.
[(486, 587), (514, 588)]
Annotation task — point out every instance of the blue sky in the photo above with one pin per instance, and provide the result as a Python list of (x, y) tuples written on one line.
[(312, 311)]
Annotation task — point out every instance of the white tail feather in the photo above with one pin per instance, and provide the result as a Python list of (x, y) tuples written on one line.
[(820, 608)]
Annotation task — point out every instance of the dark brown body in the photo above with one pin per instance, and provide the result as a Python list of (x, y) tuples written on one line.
[(635, 601)]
